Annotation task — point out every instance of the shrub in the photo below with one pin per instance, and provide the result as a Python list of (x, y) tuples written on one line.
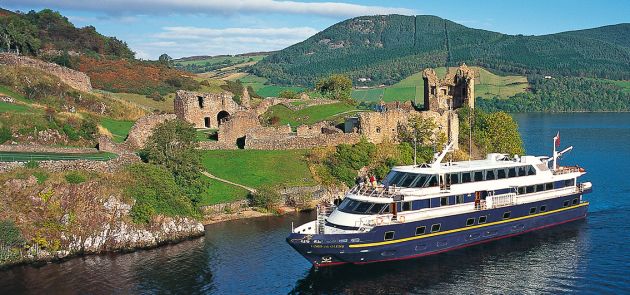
[(88, 129), (32, 164), (156, 192), (41, 176), (70, 132), (5, 134), (288, 93), (10, 235), (75, 177), (266, 197), (156, 96)]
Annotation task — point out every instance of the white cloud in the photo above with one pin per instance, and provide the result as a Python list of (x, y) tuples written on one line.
[(188, 41), (214, 7)]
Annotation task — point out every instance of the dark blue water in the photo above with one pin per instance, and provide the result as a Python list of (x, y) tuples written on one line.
[(251, 257)]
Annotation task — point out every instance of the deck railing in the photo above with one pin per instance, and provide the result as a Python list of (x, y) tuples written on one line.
[(379, 191)]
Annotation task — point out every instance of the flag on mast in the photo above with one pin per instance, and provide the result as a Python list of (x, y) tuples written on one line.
[(556, 139)]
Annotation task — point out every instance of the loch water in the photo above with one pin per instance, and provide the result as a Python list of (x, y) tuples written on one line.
[(252, 257)]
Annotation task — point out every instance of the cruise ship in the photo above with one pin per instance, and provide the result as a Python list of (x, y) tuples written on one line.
[(426, 209)]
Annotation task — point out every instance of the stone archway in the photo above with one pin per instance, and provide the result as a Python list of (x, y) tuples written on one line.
[(222, 115)]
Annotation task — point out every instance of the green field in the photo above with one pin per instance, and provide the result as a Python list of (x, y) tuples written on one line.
[(119, 129), (255, 168), (623, 84), (145, 102), (309, 115), (264, 90), (25, 157), (221, 192), (7, 91), (217, 60), (487, 85)]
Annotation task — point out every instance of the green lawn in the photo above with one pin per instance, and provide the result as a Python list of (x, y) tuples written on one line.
[(143, 101), (255, 168), (118, 128), (205, 134), (221, 192), (308, 115), (24, 157)]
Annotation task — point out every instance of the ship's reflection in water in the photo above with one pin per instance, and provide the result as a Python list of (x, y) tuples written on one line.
[(541, 262)]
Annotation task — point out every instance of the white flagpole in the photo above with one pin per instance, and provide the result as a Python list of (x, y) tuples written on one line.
[(555, 154)]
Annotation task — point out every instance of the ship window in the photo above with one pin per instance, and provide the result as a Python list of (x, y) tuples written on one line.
[(548, 186), (348, 204), (540, 187), (386, 209), (531, 170), (465, 177), (436, 227), (362, 207), (432, 181), (420, 230), (389, 235), (501, 174), (532, 210), (489, 174), (420, 181), (482, 219), (507, 214), (443, 201), (512, 172), (575, 201), (406, 206), (478, 175), (529, 189), (454, 177), (543, 208), (399, 179), (569, 182), (470, 221), (565, 204), (377, 208), (459, 199), (408, 180), (521, 171), (521, 190)]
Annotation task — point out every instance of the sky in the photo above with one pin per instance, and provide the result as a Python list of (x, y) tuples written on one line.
[(211, 27)]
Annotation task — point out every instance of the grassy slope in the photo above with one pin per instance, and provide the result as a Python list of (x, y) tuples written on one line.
[(118, 128), (487, 85), (220, 192), (255, 168), (308, 115)]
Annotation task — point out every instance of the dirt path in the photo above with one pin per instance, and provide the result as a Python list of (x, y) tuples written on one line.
[(252, 190)]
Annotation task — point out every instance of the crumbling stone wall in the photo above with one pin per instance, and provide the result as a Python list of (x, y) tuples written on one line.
[(456, 89), (205, 110), (300, 142), (74, 79), (381, 126), (143, 129), (237, 126)]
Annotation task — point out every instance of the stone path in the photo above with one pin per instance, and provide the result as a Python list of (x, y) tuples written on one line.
[(252, 190)]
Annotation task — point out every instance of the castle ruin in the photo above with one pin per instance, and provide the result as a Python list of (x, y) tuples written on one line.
[(454, 91), (205, 110)]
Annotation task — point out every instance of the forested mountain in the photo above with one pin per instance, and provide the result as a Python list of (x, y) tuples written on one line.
[(388, 48), (33, 32)]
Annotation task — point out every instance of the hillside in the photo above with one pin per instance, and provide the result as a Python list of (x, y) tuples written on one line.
[(387, 49), (108, 62)]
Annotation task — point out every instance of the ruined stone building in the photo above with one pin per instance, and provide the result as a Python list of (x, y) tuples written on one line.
[(205, 110), (454, 91)]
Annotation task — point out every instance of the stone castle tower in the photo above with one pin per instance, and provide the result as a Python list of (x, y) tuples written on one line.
[(456, 89)]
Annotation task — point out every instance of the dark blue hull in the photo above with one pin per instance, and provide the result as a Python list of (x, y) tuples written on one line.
[(369, 247)]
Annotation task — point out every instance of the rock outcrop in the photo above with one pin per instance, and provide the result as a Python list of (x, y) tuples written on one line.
[(74, 79)]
